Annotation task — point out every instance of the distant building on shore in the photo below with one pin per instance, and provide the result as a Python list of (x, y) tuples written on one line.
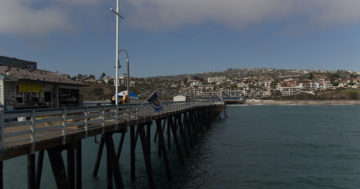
[(23, 86), (216, 79)]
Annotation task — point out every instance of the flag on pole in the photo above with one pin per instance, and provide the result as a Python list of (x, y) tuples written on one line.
[(155, 102)]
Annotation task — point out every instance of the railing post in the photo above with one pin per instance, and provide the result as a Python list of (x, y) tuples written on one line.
[(32, 130), (144, 107), (64, 126), (86, 113), (116, 117), (103, 119), (136, 114), (1, 130), (128, 115)]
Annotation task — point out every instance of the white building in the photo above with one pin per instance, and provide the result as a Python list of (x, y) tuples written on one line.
[(217, 79), (179, 98), (267, 84), (288, 91), (195, 83)]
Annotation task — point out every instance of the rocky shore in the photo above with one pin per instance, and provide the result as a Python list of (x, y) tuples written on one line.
[(302, 102)]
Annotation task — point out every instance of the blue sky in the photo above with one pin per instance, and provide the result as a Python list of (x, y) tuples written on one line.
[(166, 37)]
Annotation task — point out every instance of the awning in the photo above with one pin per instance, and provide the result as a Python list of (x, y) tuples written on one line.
[(132, 95)]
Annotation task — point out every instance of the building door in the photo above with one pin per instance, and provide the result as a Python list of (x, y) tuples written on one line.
[(47, 98)]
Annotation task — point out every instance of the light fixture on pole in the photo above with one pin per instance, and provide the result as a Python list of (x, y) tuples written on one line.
[(117, 50), (127, 73)]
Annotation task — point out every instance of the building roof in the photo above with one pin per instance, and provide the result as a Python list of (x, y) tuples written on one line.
[(14, 62), (37, 75)]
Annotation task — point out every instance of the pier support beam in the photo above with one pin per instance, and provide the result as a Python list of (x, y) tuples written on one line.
[(58, 167), (162, 123), (172, 126), (121, 143), (31, 171), (179, 122), (39, 165), (163, 148), (109, 177), (146, 151), (1, 175), (148, 137), (188, 128), (78, 165), (132, 153), (98, 157), (113, 164), (168, 135), (71, 166), (193, 124)]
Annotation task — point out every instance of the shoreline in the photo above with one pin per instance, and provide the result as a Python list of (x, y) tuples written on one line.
[(302, 102)]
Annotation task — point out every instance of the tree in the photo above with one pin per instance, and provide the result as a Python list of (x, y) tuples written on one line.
[(311, 76), (111, 82), (81, 77), (92, 76), (102, 76)]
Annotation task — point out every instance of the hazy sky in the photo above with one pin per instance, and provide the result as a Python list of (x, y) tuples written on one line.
[(166, 37)]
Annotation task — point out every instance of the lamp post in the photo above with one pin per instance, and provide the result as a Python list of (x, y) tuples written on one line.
[(117, 50), (127, 73)]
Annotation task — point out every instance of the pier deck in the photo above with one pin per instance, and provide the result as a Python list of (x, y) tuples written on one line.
[(28, 132)]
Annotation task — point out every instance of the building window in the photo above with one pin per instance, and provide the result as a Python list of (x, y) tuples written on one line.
[(68, 97)]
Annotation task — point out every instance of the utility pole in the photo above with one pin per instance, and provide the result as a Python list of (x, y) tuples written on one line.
[(117, 55), (117, 50)]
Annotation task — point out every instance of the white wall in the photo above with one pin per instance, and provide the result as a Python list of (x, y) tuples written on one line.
[(179, 98)]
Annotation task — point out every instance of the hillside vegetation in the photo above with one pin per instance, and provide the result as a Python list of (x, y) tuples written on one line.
[(338, 94)]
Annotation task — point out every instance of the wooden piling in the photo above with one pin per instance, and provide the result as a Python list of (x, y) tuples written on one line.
[(58, 168), (136, 136), (109, 180), (146, 153), (115, 168), (163, 148), (39, 166), (1, 175), (31, 171), (71, 166), (193, 124), (172, 126), (78, 165), (156, 135), (132, 153), (98, 157), (188, 128), (182, 133), (121, 143), (148, 136), (168, 136), (162, 124)]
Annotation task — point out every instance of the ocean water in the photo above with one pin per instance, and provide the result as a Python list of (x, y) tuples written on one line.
[(257, 147)]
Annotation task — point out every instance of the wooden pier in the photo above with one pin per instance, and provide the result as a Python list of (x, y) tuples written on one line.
[(57, 130)]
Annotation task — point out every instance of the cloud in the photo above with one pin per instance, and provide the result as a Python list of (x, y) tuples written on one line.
[(170, 14), (39, 17), (35, 17)]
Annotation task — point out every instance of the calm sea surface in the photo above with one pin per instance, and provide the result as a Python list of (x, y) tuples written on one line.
[(257, 147)]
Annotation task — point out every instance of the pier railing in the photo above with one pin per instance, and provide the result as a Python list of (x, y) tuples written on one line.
[(32, 126)]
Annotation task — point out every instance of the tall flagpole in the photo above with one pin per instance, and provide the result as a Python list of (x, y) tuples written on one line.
[(117, 55)]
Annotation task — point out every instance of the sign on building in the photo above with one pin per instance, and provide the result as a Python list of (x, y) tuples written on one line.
[(30, 87)]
